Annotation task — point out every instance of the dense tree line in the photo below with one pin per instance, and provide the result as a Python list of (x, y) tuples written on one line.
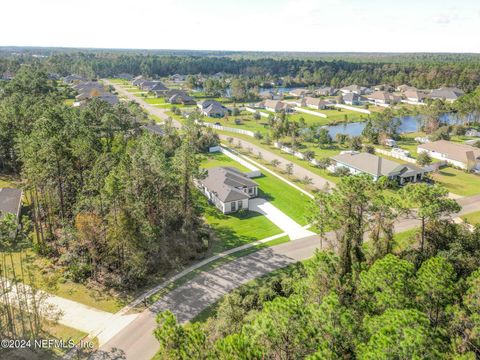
[(431, 71), (109, 202), (360, 301)]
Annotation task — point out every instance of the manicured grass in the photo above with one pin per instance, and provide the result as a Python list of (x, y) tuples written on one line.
[(289, 200), (219, 159), (458, 181), (472, 218), (69, 102), (239, 228), (247, 122), (49, 278), (155, 101)]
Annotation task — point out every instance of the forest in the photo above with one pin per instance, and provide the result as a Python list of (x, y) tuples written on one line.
[(371, 296), (335, 69), (110, 203)]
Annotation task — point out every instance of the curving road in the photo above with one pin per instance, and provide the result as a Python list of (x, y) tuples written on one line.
[(136, 341)]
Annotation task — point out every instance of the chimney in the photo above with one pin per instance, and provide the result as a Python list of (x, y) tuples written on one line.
[(379, 168)]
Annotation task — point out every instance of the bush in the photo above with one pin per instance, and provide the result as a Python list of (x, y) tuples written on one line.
[(258, 135), (323, 163), (341, 171), (369, 149)]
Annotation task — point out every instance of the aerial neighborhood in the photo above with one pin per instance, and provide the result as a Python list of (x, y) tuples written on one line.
[(137, 199)]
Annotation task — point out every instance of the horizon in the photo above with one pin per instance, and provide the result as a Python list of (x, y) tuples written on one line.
[(337, 26)]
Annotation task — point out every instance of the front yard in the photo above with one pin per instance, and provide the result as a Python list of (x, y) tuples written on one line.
[(458, 181)]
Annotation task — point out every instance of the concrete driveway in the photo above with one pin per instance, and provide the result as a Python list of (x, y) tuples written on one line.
[(284, 222)]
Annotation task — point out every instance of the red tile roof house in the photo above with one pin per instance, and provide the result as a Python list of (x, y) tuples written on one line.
[(459, 155)]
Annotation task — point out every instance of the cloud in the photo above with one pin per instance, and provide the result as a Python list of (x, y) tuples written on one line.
[(443, 19)]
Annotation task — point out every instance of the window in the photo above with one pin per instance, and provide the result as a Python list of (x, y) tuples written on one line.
[(240, 205), (233, 206)]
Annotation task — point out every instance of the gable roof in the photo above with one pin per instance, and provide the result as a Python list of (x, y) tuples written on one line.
[(373, 165), (226, 183), (316, 101), (446, 93), (10, 201), (453, 151)]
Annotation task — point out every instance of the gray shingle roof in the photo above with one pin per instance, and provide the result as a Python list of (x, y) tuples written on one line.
[(10, 201), (226, 183)]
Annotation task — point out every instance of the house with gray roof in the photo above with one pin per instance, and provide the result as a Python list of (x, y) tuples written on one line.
[(463, 156), (212, 108), (353, 99), (375, 166), (447, 94), (228, 189), (326, 91), (181, 98), (354, 89), (10, 202)]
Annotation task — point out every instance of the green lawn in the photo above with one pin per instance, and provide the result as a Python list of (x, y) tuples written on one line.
[(219, 159), (472, 218), (247, 122), (239, 228), (458, 181), (289, 200)]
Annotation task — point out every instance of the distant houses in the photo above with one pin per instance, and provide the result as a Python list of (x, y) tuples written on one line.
[(317, 103), (459, 155), (212, 108), (447, 94), (299, 92), (276, 106), (353, 99), (10, 202), (228, 189), (88, 90), (326, 91), (366, 163), (125, 76), (354, 89), (414, 96), (181, 98), (383, 98)]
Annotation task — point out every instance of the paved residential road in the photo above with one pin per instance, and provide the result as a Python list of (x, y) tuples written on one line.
[(136, 341), (298, 171)]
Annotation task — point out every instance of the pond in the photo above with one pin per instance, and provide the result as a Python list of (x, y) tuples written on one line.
[(408, 124)]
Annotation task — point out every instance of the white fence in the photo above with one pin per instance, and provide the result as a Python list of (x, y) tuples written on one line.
[(311, 112), (226, 128), (396, 156), (254, 171), (249, 109), (363, 111), (294, 153)]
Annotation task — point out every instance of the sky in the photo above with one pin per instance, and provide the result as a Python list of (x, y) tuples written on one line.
[(254, 25)]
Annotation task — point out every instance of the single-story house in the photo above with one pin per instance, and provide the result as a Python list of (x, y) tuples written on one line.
[(299, 92), (181, 98), (415, 96), (459, 155), (353, 99), (276, 106), (138, 80), (7, 76), (316, 103), (10, 202), (177, 78), (353, 89), (228, 189), (212, 108), (446, 93), (70, 79), (366, 163), (266, 95), (152, 85), (326, 91), (383, 98)]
